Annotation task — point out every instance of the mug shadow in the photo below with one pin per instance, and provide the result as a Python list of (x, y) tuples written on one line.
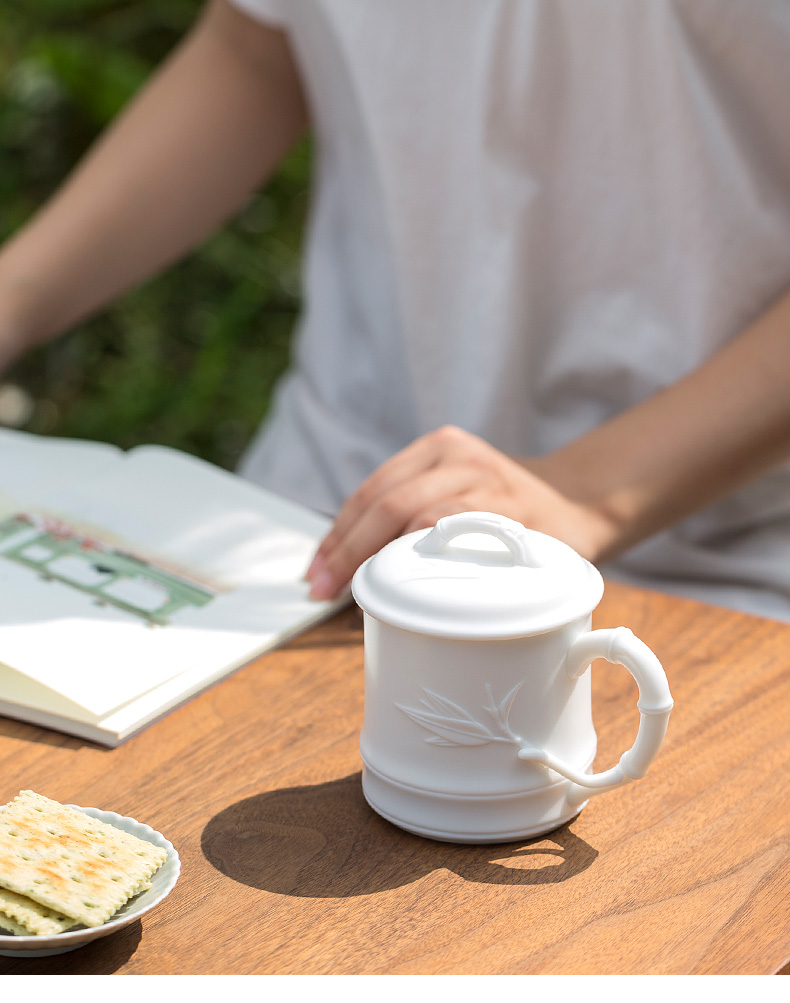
[(324, 841)]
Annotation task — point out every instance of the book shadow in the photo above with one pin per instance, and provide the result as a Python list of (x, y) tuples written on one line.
[(11, 728), (324, 841)]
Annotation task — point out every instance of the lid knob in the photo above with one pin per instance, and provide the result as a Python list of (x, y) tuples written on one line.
[(514, 536)]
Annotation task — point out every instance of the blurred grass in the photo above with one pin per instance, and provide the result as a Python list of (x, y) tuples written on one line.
[(190, 358)]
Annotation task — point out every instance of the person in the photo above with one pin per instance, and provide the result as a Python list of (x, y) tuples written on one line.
[(546, 275)]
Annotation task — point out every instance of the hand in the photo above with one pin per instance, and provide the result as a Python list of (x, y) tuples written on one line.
[(442, 473)]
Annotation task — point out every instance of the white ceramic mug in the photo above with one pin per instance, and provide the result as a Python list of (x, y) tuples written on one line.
[(478, 720)]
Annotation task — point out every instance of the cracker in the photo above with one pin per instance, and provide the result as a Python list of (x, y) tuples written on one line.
[(9, 926), (30, 917), (70, 862), (23, 917)]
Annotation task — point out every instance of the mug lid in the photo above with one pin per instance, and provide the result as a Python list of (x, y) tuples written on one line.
[(477, 575)]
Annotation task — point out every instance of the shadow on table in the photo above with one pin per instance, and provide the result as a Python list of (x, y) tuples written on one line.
[(10, 728), (99, 957), (324, 841)]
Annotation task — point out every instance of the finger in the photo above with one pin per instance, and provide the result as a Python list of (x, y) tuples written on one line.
[(384, 520), (407, 465), (445, 446)]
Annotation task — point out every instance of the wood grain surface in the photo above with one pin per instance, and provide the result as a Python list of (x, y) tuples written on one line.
[(286, 869)]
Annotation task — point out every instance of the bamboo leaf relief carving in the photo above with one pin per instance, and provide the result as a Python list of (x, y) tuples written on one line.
[(453, 725)]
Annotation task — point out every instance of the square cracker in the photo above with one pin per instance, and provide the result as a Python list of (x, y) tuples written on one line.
[(70, 862), (10, 926), (22, 916)]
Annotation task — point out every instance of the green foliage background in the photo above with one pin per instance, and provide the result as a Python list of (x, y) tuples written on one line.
[(189, 359)]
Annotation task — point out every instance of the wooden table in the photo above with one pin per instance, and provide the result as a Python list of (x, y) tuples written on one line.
[(286, 869)]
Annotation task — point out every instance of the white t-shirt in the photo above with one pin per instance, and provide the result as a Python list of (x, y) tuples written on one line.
[(530, 215)]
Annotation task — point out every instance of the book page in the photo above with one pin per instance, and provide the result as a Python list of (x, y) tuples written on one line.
[(155, 563), (31, 466)]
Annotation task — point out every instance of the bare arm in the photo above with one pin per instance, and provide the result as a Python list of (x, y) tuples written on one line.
[(207, 129), (689, 445), (680, 450)]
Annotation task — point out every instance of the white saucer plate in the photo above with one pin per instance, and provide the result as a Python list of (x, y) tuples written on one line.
[(162, 883)]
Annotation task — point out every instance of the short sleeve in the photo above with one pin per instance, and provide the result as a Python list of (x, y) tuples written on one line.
[(267, 11)]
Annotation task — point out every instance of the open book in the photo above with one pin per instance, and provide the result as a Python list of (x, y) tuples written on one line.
[(130, 581)]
